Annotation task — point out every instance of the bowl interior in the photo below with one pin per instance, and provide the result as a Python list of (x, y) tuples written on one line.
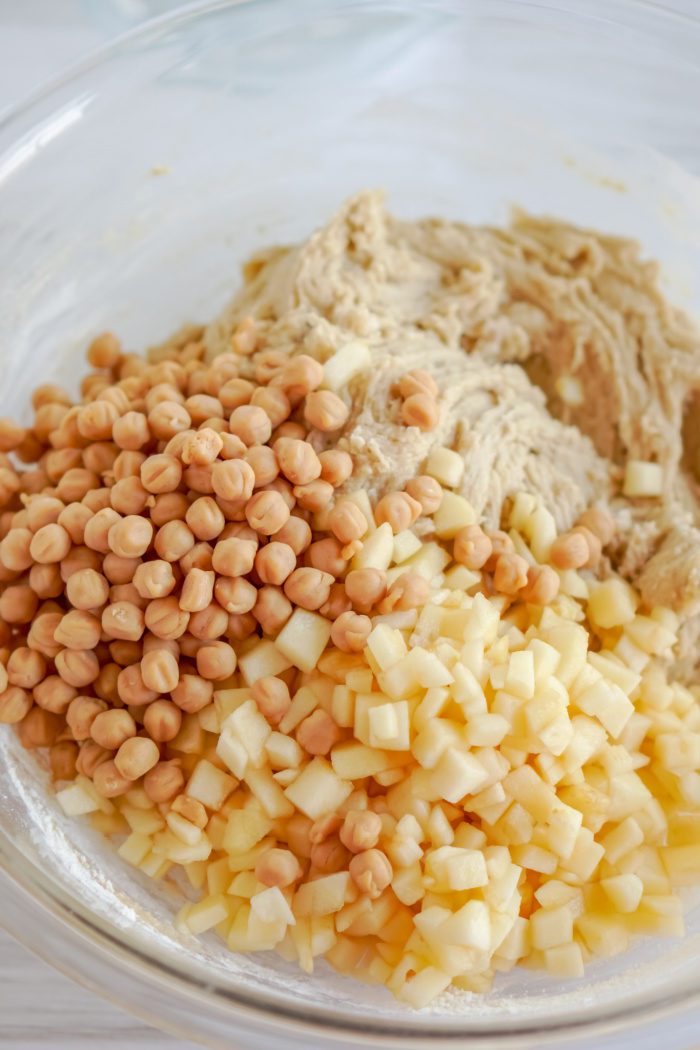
[(132, 192)]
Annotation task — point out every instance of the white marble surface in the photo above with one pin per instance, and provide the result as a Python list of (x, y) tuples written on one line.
[(39, 1007)]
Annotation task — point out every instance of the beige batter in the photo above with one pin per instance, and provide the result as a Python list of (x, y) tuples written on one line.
[(500, 316)]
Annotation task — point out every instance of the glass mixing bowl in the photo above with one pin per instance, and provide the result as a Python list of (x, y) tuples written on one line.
[(131, 191)]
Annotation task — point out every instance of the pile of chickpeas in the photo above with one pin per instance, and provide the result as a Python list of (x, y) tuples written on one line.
[(160, 521)]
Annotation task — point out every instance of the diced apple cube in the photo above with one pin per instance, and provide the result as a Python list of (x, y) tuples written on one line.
[(551, 926), (353, 760), (446, 466), (486, 730), (271, 905), (348, 361), (387, 646), (264, 658), (231, 751), (75, 801), (245, 828), (389, 726), (612, 603), (406, 544), (304, 701), (322, 896), (608, 703), (520, 676), (453, 514), (564, 960), (206, 914), (456, 774), (268, 793), (318, 789), (377, 549), (283, 751), (210, 785), (302, 640), (643, 479), (251, 728)]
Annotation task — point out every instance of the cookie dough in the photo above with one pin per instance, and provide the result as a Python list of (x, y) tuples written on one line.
[(557, 355)]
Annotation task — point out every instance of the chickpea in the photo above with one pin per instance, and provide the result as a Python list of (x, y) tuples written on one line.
[(90, 756), (542, 585), (105, 685), (297, 460), (11, 435), (263, 462), (130, 537), (272, 697), (104, 351), (15, 549), (124, 652), (128, 496), (202, 447), (162, 721), (160, 670), (501, 544), (275, 562), (109, 781), (329, 856), (327, 555), (272, 609), (131, 687), (365, 587), (298, 830), (266, 512), (314, 496), (40, 728), (123, 620), (168, 506), (299, 377), (290, 429), (361, 830), (233, 479), (48, 394), (87, 589), (569, 551), (323, 827), (418, 381), (420, 410), (296, 533), (161, 473), (53, 694), (236, 392), (347, 522), (78, 630), (251, 424), (594, 545), (200, 557), (165, 618), (212, 622), (18, 604), (76, 483), (350, 632), (164, 782), (205, 518), (336, 467), (202, 407), (77, 668), (399, 509), (40, 635), (97, 499), (600, 522), (371, 872), (234, 557), (273, 401), (472, 547), (81, 713), (308, 588), (43, 510), (110, 729), (191, 809), (131, 432), (216, 661), (63, 757), (128, 464), (510, 574), (192, 693), (15, 705), (197, 590), (49, 544), (240, 626), (278, 867), (173, 540), (167, 419), (97, 529), (74, 518), (154, 579), (337, 604), (318, 733), (409, 591), (136, 756), (325, 411)]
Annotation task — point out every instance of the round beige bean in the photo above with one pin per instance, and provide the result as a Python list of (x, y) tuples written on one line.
[(350, 632), (15, 705), (234, 557), (327, 555), (130, 537), (154, 579), (160, 670), (40, 728), (371, 871), (109, 780), (272, 609), (18, 604), (233, 479), (297, 460), (336, 467), (299, 377), (337, 603), (77, 668), (162, 721), (128, 496), (251, 424), (104, 351), (130, 431), (347, 522), (278, 867), (472, 547), (420, 410), (81, 713), (205, 518), (272, 697), (131, 687), (600, 522), (63, 757), (329, 856), (361, 830), (426, 491), (212, 622), (418, 381), (296, 533), (409, 591), (510, 573), (365, 587), (173, 540), (542, 585), (398, 509), (325, 411), (308, 588), (163, 782), (136, 756), (50, 544), (95, 421), (569, 551), (197, 590), (216, 660), (87, 589), (110, 729), (168, 506), (318, 733), (78, 629), (275, 562), (161, 473), (314, 496), (202, 446), (165, 618), (53, 694), (123, 620), (192, 693)]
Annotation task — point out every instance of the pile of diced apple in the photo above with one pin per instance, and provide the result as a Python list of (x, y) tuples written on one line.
[(536, 771)]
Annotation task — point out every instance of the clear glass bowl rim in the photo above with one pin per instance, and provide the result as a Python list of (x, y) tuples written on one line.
[(117, 948)]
